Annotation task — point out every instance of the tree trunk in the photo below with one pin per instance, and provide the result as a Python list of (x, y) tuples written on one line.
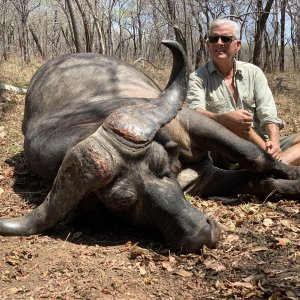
[(282, 31), (78, 45), (201, 52), (99, 28), (172, 16), (36, 40), (267, 65), (88, 46), (260, 28)]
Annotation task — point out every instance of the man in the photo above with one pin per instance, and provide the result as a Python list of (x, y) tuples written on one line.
[(236, 94)]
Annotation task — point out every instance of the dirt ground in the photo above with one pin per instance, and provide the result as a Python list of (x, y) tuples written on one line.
[(258, 257)]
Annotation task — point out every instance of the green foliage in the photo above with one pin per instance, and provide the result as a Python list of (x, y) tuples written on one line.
[(188, 197)]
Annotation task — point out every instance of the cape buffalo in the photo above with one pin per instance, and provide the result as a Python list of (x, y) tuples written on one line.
[(95, 125)]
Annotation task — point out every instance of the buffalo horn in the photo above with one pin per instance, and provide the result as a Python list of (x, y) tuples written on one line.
[(86, 167), (139, 124)]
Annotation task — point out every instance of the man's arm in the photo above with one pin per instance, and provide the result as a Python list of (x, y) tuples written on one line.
[(273, 145), (196, 96), (256, 139), (239, 122)]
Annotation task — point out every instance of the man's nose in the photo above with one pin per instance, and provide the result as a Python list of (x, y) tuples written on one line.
[(220, 41)]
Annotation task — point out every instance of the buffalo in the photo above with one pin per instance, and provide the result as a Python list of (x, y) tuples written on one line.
[(95, 126)]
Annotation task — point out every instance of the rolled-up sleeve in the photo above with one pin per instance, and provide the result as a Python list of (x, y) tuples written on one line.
[(266, 110), (196, 93)]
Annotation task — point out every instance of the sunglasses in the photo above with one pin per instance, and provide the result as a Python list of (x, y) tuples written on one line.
[(224, 38)]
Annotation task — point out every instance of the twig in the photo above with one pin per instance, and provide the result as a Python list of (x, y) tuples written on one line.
[(270, 194), (44, 192), (66, 239), (141, 58)]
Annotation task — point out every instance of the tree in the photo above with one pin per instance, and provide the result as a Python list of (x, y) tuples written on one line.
[(99, 28), (24, 8), (6, 29), (132, 29), (262, 17), (282, 33), (75, 27)]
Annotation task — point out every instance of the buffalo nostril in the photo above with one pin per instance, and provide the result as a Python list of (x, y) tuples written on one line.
[(215, 233), (211, 224)]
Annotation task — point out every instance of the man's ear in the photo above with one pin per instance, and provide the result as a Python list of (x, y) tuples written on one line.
[(238, 46)]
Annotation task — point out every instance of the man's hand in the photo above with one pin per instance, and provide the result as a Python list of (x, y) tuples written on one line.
[(273, 145), (274, 149), (239, 122)]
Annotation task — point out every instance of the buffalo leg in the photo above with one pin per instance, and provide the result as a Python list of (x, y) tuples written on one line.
[(208, 135), (205, 180)]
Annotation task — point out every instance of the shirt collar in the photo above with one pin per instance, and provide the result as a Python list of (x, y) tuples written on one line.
[(238, 68), (211, 67)]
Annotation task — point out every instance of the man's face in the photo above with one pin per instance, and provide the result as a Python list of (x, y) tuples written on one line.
[(222, 50)]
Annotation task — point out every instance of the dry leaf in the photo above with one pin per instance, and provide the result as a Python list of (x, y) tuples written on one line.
[(2, 132), (291, 295), (142, 270), (152, 266), (136, 251), (261, 285), (12, 260), (289, 225), (184, 273), (286, 223), (172, 259), (255, 294), (253, 278), (214, 265), (166, 265), (15, 290), (283, 241), (232, 238), (246, 285), (295, 229), (259, 248), (268, 222)]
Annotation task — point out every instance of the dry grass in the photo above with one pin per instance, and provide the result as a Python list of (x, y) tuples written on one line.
[(160, 74), (17, 73), (286, 90)]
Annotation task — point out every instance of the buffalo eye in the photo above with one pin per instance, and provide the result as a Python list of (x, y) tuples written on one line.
[(119, 196)]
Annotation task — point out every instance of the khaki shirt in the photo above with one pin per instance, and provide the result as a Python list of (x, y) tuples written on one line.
[(208, 90)]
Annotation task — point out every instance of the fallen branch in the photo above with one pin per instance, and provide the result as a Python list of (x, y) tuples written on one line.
[(141, 58), (8, 87)]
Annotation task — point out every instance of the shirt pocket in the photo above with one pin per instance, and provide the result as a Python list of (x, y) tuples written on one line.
[(215, 103), (249, 104)]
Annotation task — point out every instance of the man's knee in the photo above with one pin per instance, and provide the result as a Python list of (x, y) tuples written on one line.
[(297, 139), (288, 141)]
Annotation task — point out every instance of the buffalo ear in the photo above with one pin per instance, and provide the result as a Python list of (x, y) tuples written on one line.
[(172, 149)]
